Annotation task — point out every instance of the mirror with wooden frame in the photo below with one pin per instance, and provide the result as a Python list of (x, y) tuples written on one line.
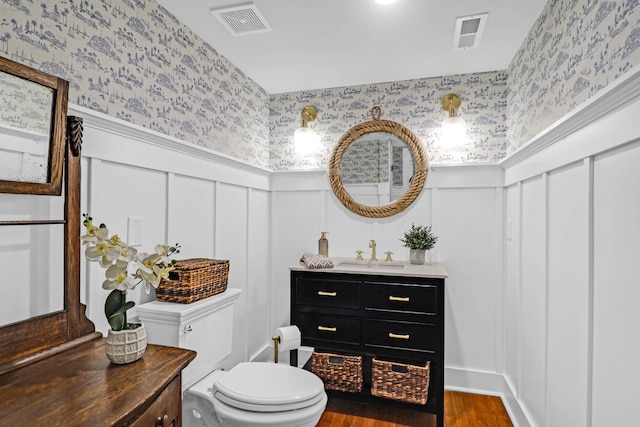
[(33, 115), (31, 228), (378, 168)]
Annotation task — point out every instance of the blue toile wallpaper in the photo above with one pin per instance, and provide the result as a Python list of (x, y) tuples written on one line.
[(414, 103), (133, 60), (366, 162), (576, 48)]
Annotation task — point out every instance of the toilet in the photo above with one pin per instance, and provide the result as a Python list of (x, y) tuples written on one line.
[(250, 393)]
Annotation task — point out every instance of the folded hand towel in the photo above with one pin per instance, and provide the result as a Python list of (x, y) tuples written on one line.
[(314, 261)]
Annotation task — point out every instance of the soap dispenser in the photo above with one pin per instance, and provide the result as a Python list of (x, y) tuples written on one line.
[(323, 244)]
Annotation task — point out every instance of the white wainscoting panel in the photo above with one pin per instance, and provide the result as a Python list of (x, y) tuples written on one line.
[(469, 246), (126, 191), (533, 299), (212, 205), (231, 234), (296, 230), (191, 215), (616, 317), (258, 271), (571, 342), (568, 296)]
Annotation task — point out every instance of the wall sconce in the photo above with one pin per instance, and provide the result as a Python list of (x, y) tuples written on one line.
[(454, 129), (304, 138)]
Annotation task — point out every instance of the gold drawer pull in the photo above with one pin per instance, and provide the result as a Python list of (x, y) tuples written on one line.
[(327, 329), (401, 299), (327, 294), (399, 337)]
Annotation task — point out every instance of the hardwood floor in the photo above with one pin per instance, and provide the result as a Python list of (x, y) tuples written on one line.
[(460, 410)]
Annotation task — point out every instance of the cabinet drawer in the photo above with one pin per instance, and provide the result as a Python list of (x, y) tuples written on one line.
[(333, 293), (329, 328), (407, 335), (400, 297), (166, 410)]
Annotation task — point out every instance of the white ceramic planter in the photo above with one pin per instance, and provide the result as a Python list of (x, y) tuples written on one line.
[(126, 346)]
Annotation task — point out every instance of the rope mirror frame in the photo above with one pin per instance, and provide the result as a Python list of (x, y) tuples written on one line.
[(420, 162)]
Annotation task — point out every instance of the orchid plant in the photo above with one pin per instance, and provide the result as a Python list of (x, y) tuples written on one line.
[(113, 254)]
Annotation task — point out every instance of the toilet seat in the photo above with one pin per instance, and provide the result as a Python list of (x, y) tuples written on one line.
[(255, 394), (268, 387)]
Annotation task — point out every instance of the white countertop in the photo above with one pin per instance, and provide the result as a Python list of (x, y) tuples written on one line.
[(384, 268)]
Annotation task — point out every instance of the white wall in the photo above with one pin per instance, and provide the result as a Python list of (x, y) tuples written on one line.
[(464, 205), (212, 205), (571, 254)]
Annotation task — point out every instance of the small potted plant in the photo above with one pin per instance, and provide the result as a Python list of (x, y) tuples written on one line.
[(113, 254), (418, 239)]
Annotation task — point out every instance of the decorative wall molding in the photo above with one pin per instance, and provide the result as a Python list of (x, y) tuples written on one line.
[(112, 125), (622, 91)]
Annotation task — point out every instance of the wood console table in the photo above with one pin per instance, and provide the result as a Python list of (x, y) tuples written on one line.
[(81, 387)]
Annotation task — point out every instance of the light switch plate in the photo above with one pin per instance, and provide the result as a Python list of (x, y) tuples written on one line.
[(134, 231)]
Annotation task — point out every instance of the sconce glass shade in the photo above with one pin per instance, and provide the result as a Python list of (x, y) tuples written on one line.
[(454, 132), (454, 129), (305, 140)]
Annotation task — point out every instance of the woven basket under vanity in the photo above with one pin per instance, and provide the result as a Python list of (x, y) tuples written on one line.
[(399, 381), (338, 372), (194, 279)]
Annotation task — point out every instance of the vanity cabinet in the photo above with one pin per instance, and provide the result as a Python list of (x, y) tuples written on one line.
[(392, 314)]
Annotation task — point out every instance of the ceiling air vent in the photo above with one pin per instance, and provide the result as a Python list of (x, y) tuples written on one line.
[(242, 19), (468, 31)]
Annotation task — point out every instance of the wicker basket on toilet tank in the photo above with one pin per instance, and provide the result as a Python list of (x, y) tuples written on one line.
[(194, 279)]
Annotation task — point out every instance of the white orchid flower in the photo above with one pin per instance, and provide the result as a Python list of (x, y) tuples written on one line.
[(127, 254), (146, 261), (94, 234), (115, 240), (98, 251), (118, 277), (149, 278), (163, 251)]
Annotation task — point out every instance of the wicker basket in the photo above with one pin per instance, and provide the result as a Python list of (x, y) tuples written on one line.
[(194, 279), (398, 381), (338, 372)]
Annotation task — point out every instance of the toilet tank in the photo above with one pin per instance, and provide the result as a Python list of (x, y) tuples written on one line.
[(205, 326)]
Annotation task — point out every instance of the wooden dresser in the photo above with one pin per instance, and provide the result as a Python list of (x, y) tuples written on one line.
[(53, 367), (395, 314), (80, 387)]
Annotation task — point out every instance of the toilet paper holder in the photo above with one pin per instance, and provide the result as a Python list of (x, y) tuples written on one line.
[(287, 338), (276, 341)]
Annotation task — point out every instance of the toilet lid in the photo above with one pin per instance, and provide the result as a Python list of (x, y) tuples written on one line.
[(268, 387)]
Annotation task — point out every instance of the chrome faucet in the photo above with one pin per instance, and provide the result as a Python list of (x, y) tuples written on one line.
[(372, 245)]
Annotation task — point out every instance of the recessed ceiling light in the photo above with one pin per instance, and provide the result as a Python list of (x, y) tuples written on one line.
[(385, 1)]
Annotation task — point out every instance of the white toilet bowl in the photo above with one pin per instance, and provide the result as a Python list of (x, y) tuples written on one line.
[(255, 394)]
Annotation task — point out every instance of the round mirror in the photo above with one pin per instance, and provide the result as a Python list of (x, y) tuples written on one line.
[(378, 168)]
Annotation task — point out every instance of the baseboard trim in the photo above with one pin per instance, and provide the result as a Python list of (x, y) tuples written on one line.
[(489, 383)]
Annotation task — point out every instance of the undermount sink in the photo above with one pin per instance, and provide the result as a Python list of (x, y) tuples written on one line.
[(371, 264)]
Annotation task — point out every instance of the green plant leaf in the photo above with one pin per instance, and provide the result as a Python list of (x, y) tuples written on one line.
[(115, 308), (419, 237)]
